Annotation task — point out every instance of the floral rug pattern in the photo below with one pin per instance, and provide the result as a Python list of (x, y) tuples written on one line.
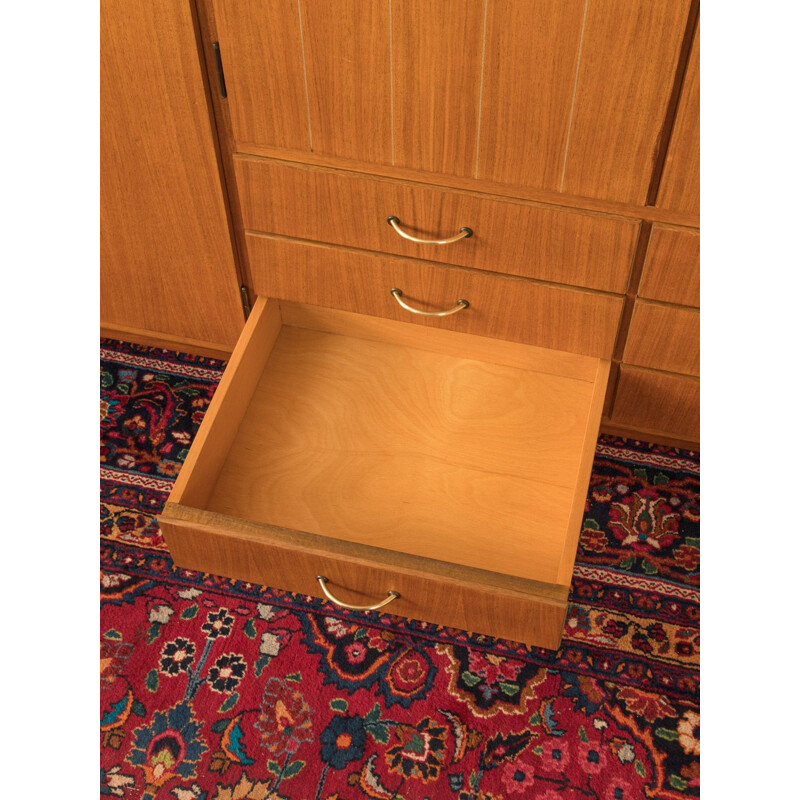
[(214, 689)]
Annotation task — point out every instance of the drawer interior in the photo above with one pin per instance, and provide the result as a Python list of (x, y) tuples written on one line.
[(429, 442)]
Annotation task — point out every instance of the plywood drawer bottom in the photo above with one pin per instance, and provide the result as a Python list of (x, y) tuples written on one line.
[(449, 468)]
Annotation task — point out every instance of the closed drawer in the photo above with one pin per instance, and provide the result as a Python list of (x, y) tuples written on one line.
[(654, 401), (499, 306), (664, 337), (672, 267), (516, 238), (449, 469)]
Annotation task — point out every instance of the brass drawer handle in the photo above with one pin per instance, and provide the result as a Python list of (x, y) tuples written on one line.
[(323, 580), (397, 294), (463, 233)]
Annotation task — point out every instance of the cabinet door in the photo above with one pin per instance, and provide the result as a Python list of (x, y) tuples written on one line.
[(563, 95), (166, 255), (680, 183)]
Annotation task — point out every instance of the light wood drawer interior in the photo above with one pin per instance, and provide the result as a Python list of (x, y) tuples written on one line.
[(372, 449), (664, 337), (672, 267), (516, 238), (658, 402), (500, 306)]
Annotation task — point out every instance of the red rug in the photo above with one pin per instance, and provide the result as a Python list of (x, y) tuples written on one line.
[(213, 689)]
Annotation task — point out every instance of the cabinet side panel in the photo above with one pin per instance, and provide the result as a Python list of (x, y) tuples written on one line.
[(166, 254)]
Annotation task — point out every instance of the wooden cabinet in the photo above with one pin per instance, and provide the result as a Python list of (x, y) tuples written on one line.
[(537, 161), (167, 269)]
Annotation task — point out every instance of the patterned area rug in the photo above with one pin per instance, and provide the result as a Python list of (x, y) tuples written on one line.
[(213, 689)]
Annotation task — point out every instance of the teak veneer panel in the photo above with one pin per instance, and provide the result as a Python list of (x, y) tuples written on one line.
[(672, 267), (658, 402), (463, 183), (262, 52), (664, 337), (502, 307), (473, 600), (346, 56), (435, 83), (680, 182), (529, 78), (166, 258), (628, 58), (514, 238)]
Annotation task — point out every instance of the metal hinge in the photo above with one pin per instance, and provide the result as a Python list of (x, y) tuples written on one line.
[(220, 72), (245, 301)]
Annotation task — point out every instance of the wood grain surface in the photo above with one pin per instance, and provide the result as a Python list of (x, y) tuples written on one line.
[(410, 450), (563, 96), (664, 337), (658, 402), (680, 183), (348, 69), (672, 267), (515, 238), (495, 189), (166, 258), (262, 53), (529, 77), (501, 307), (628, 58), (437, 340), (436, 78), (474, 600)]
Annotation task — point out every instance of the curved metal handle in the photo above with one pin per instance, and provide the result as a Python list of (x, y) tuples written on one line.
[(460, 304), (391, 595), (463, 233)]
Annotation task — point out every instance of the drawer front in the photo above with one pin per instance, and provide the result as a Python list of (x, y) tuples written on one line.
[(516, 238), (501, 307), (654, 401), (664, 337), (534, 620), (672, 267)]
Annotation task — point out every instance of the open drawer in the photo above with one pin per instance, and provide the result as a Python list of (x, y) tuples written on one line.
[(439, 474)]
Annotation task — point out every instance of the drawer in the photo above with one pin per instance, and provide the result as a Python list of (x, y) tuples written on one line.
[(447, 468), (657, 402), (499, 306), (672, 267), (532, 241), (664, 337)]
